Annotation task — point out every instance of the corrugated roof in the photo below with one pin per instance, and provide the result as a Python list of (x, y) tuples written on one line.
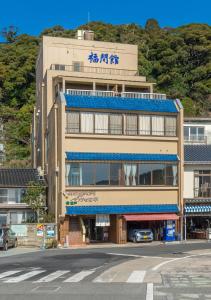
[(197, 153), (117, 103), (120, 156), (17, 177)]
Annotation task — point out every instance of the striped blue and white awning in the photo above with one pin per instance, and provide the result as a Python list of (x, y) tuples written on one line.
[(197, 208)]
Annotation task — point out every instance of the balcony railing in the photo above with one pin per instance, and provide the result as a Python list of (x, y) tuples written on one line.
[(116, 94), (199, 139), (98, 70), (202, 192)]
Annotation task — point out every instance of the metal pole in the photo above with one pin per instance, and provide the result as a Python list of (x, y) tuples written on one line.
[(185, 233)]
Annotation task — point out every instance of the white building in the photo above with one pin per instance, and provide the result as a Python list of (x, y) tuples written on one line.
[(197, 176)]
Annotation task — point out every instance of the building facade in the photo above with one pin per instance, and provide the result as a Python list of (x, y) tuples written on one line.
[(197, 177), (13, 184), (111, 149)]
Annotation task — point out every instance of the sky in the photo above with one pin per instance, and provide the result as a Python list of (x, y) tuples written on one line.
[(33, 16)]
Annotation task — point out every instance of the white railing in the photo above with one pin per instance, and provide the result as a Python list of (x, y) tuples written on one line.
[(143, 95), (201, 139), (113, 94), (90, 93)]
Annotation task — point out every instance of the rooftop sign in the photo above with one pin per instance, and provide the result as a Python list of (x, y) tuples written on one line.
[(111, 59)]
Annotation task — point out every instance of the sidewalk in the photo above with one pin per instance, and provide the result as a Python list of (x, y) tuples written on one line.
[(17, 251)]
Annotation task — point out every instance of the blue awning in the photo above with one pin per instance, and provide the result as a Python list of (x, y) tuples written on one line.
[(197, 208), (119, 103), (121, 209), (120, 156)]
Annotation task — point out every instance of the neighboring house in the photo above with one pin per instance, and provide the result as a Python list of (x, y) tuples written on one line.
[(197, 131), (197, 190), (111, 149), (13, 184)]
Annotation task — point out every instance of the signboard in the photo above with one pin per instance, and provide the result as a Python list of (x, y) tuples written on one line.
[(102, 220), (40, 230), (103, 58), (80, 197), (20, 230), (50, 231)]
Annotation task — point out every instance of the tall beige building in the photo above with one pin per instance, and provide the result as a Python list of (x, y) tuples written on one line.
[(110, 148)]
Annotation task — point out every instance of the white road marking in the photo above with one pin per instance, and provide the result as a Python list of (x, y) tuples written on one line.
[(9, 273), (149, 293), (136, 255), (52, 276), (178, 258), (24, 276), (79, 276), (136, 277)]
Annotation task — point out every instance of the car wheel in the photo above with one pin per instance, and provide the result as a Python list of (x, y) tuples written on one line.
[(16, 244), (5, 246)]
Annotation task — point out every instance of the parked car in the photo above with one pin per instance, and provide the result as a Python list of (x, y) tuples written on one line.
[(140, 235), (8, 238)]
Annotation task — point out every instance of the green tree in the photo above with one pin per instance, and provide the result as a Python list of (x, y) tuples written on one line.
[(35, 197)]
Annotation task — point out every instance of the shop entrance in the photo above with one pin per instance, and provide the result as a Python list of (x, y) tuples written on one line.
[(196, 226), (95, 233)]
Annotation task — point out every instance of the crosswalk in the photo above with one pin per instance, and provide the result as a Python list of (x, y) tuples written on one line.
[(38, 275)]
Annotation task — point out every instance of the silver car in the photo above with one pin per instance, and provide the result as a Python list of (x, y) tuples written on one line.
[(140, 235), (8, 238)]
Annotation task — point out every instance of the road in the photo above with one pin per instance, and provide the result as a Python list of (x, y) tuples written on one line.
[(176, 271)]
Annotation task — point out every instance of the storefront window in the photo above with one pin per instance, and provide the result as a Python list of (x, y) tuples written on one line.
[(102, 174)]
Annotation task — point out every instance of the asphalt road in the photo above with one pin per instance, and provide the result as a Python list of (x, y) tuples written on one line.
[(101, 273)]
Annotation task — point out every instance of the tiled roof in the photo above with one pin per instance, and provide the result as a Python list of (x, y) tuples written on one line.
[(117, 103), (17, 177), (197, 153), (120, 156)]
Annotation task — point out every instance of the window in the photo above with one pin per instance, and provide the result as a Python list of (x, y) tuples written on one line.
[(116, 177), (101, 123), (158, 174), (131, 124), (73, 174), (59, 67), (115, 124), (11, 195), (194, 134), (3, 195), (144, 174), (130, 172), (87, 170), (72, 122), (102, 174), (202, 183), (77, 66), (157, 125), (171, 175), (87, 122), (170, 126), (124, 174), (144, 125)]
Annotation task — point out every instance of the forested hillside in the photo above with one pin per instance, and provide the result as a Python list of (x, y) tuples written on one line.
[(177, 59)]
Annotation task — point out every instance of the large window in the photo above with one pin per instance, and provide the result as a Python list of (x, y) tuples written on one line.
[(131, 125), (115, 124), (10, 196), (73, 123), (101, 123), (106, 123), (194, 134), (121, 174), (202, 183), (157, 125)]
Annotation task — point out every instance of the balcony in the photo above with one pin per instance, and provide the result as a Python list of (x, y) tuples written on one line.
[(195, 139), (96, 70), (133, 95), (204, 191)]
